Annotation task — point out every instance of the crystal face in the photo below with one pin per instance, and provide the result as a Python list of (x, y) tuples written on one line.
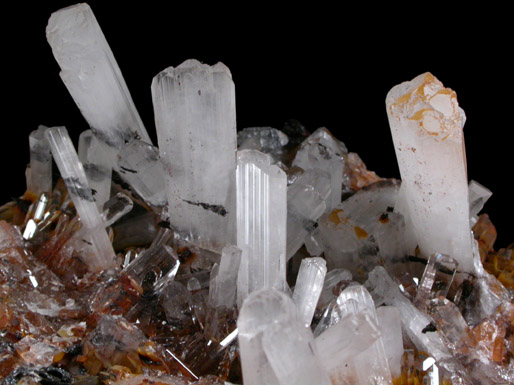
[(270, 256)]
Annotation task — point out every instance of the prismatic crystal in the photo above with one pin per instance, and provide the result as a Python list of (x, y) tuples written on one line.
[(258, 256)]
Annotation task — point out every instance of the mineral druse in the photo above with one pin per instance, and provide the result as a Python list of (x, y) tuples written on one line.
[(271, 256)]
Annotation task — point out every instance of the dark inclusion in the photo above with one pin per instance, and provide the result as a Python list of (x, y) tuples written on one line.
[(218, 209), (76, 188)]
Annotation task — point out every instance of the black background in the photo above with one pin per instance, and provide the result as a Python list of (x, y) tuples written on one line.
[(320, 65)]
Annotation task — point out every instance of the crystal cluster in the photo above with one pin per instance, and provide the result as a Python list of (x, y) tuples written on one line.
[(264, 256)]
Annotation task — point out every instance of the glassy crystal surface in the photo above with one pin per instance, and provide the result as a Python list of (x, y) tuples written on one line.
[(265, 139), (223, 280), (195, 117), (261, 310), (97, 165), (436, 280), (426, 124), (39, 172), (261, 223), (478, 196), (102, 254), (92, 76), (389, 323), (321, 150), (309, 284)]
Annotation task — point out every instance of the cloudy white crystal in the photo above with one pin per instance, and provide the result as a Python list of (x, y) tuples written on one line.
[(426, 124), (195, 117)]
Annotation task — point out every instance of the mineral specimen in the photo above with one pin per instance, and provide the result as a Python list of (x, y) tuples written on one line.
[(281, 261)]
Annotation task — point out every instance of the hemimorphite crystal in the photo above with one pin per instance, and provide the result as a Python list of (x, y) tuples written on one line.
[(261, 223), (321, 150), (102, 254), (195, 117), (426, 125), (261, 310), (39, 171), (98, 166), (223, 280), (92, 76), (309, 284)]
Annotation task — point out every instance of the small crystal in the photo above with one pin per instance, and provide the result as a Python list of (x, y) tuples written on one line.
[(115, 208), (39, 178), (324, 152), (478, 195), (222, 290), (308, 287), (97, 164), (436, 280)]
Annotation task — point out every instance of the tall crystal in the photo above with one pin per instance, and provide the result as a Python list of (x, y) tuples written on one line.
[(223, 280), (39, 172), (195, 117), (72, 172), (92, 76), (426, 125), (261, 222)]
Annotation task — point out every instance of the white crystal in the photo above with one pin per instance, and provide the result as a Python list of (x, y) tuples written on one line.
[(140, 165), (261, 223), (390, 326), (97, 164), (261, 310), (478, 195), (39, 172), (92, 76), (309, 284), (195, 117), (293, 356), (306, 201), (322, 151), (426, 124), (223, 283), (72, 172)]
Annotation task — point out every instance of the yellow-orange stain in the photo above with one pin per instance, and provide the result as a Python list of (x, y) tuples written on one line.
[(360, 232), (58, 357), (335, 218)]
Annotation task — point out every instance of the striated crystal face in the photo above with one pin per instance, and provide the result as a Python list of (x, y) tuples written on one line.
[(271, 256)]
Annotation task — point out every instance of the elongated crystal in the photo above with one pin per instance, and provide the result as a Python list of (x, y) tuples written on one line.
[(195, 117), (98, 166), (261, 223), (222, 289), (39, 172), (72, 172), (140, 165), (426, 124), (92, 76), (116, 207), (260, 311), (309, 284), (293, 356), (389, 323), (322, 151)]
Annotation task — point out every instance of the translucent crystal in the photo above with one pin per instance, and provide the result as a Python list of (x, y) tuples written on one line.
[(39, 173), (306, 202), (195, 117), (116, 207), (264, 139), (102, 254), (323, 151), (309, 284), (478, 195), (140, 166), (389, 323), (436, 280), (426, 125), (222, 290), (97, 164), (283, 342), (261, 223), (342, 346), (92, 76), (260, 311), (335, 281)]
